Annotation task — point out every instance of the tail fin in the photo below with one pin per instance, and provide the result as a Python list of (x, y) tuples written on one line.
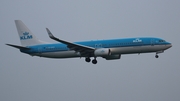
[(27, 38)]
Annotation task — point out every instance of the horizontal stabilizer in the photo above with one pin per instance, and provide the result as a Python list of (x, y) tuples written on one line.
[(19, 47)]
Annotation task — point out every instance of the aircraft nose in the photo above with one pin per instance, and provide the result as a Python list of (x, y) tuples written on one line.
[(169, 45)]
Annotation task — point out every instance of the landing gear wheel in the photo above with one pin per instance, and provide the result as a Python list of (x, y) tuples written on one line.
[(157, 56), (94, 61), (87, 59)]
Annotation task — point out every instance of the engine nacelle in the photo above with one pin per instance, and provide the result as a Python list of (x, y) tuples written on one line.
[(112, 57), (102, 52)]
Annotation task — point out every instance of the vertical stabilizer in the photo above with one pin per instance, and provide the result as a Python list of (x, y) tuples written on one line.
[(27, 38)]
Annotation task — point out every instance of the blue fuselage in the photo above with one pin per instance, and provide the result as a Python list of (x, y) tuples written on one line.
[(117, 46)]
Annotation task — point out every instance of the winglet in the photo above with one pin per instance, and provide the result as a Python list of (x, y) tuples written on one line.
[(49, 33)]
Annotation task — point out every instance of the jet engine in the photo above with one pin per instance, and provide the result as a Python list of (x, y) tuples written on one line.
[(112, 57), (102, 52)]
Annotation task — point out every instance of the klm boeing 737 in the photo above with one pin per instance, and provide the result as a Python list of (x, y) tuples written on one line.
[(110, 49)]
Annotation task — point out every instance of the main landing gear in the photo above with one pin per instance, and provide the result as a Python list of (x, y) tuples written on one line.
[(88, 59), (94, 61)]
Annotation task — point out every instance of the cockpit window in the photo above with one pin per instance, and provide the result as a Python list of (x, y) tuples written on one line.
[(162, 41)]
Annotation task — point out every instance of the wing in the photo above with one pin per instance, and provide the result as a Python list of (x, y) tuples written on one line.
[(84, 50)]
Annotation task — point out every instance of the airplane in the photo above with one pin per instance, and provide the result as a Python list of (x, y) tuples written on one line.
[(110, 49)]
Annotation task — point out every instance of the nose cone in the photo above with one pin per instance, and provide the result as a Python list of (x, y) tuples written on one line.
[(169, 45)]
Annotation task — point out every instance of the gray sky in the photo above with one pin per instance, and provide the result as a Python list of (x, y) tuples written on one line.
[(132, 78)]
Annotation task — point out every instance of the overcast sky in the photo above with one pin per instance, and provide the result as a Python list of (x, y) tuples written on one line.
[(132, 78)]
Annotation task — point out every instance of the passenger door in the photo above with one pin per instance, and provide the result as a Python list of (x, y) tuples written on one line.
[(152, 42)]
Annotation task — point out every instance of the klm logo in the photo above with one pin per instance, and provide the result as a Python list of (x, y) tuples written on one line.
[(137, 40), (26, 36)]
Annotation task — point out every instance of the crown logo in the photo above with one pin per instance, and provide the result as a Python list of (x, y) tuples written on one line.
[(137, 40), (25, 33)]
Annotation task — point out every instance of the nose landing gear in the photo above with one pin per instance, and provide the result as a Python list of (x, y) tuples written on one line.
[(156, 56)]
